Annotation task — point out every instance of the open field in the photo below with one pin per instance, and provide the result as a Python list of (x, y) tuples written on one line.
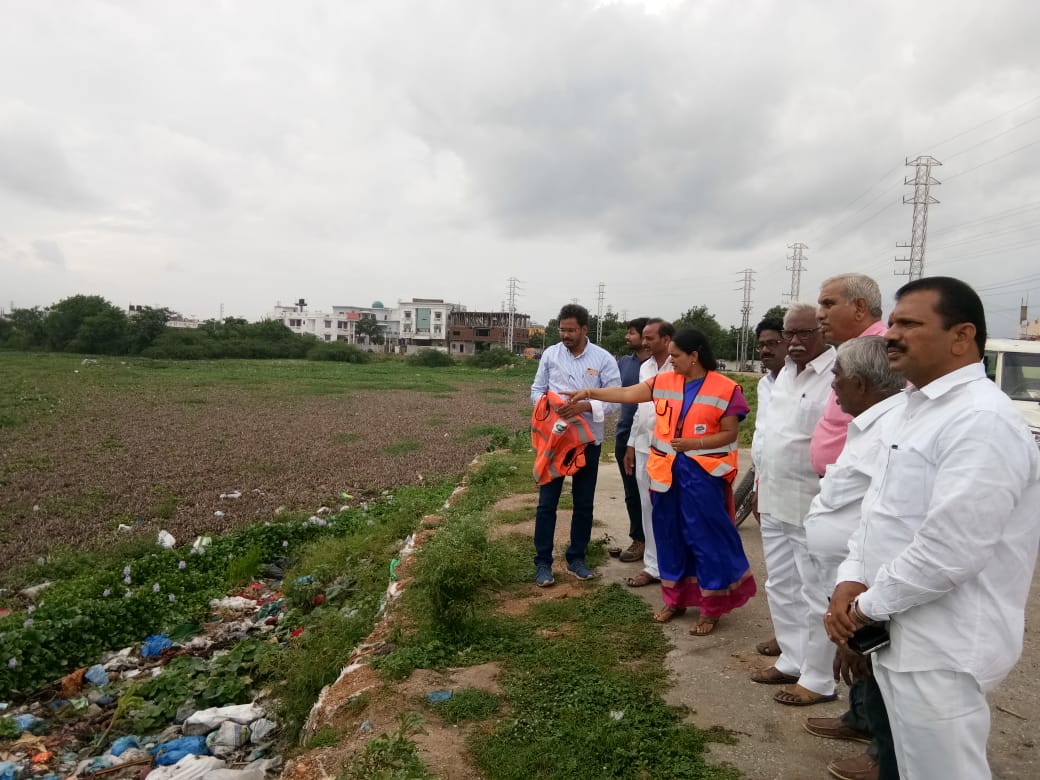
[(153, 444)]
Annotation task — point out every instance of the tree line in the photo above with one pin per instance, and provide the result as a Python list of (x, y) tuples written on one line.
[(88, 324)]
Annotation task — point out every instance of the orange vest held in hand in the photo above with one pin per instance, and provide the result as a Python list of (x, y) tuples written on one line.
[(559, 442), (704, 418)]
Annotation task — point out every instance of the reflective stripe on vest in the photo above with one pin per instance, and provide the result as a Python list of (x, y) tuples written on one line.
[(559, 442), (707, 409)]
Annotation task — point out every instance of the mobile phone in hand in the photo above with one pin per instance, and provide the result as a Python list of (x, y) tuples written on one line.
[(870, 639)]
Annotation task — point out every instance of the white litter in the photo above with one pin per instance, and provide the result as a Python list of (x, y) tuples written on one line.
[(188, 768), (232, 495), (205, 721), (166, 540)]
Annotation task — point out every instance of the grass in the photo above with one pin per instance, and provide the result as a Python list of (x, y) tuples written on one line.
[(402, 447), (468, 704)]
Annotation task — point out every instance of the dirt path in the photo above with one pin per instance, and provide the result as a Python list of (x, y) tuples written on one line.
[(711, 678)]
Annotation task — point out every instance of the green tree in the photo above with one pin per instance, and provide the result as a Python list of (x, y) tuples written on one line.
[(28, 329), (536, 340), (145, 326), (370, 328), (552, 333), (777, 311), (66, 318), (104, 333), (703, 320)]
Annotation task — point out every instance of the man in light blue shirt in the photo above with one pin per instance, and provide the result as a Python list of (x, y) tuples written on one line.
[(573, 364)]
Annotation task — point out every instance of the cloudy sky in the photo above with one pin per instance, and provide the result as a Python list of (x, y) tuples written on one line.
[(197, 153)]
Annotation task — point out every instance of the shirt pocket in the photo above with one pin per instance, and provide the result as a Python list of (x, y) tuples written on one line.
[(809, 413), (907, 487)]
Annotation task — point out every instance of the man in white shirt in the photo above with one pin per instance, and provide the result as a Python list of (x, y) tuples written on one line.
[(948, 537), (772, 351), (657, 336), (787, 485), (867, 388)]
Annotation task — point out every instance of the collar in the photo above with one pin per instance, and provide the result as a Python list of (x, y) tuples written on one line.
[(947, 382), (583, 351), (868, 417), (819, 364)]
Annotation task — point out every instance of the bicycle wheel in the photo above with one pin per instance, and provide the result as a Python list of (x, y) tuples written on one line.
[(743, 495)]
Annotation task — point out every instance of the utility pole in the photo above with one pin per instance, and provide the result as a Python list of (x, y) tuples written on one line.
[(922, 199), (599, 314), (743, 345), (796, 267), (513, 291)]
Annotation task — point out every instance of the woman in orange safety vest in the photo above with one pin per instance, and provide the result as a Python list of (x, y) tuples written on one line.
[(692, 464)]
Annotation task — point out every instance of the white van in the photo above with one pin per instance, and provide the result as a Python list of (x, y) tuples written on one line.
[(1015, 366)]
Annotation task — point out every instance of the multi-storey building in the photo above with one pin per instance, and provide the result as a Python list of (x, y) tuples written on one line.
[(472, 331), (424, 323)]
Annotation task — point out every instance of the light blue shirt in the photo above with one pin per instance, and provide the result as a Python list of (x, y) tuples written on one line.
[(560, 371)]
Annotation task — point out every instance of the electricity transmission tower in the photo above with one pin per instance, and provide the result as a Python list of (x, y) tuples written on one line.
[(599, 314), (743, 345), (796, 268), (922, 181), (513, 291)]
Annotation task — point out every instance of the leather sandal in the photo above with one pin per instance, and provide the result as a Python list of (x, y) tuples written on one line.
[(641, 580), (667, 614), (704, 626), (769, 648), (802, 697), (772, 676)]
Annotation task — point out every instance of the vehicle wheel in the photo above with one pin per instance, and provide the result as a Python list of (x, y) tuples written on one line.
[(742, 496)]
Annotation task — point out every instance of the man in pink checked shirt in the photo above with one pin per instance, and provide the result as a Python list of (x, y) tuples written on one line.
[(849, 306)]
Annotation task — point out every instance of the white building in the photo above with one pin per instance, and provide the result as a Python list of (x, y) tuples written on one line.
[(424, 323), (340, 324)]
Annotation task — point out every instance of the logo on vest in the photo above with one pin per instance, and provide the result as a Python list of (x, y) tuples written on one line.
[(559, 427), (700, 428)]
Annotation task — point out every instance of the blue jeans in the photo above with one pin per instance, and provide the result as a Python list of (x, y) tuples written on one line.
[(583, 489), (632, 503)]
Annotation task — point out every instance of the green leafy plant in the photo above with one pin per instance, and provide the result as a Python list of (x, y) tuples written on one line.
[(468, 704), (392, 756), (430, 358)]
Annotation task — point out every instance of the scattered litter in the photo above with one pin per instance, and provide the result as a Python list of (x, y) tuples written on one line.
[(190, 767), (617, 714), (233, 604), (260, 729), (234, 494), (205, 721), (124, 527), (123, 744), (169, 753), (200, 544), (34, 591), (394, 563), (166, 540), (323, 510), (227, 738), (155, 645), (345, 495), (27, 722), (218, 513), (72, 683), (96, 675), (435, 697), (365, 726)]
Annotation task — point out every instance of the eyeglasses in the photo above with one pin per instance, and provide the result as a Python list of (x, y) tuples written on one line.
[(802, 333), (770, 343)]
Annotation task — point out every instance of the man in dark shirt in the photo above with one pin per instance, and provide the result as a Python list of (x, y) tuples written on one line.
[(629, 368)]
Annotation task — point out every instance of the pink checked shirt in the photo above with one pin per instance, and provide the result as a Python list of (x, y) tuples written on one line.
[(828, 438)]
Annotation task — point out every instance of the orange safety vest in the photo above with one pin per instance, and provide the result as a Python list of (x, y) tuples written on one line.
[(559, 442), (704, 418)]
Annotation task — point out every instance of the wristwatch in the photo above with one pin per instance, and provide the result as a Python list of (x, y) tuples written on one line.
[(857, 614)]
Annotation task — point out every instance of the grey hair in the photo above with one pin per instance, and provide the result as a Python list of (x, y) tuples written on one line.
[(856, 286), (867, 358), (800, 308)]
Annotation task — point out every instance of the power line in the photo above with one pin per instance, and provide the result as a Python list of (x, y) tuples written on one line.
[(988, 234), (1016, 211), (992, 137), (923, 182), (995, 159), (858, 225), (972, 129)]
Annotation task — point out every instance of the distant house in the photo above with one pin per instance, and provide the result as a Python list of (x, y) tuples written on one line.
[(424, 323), (472, 331), (176, 320)]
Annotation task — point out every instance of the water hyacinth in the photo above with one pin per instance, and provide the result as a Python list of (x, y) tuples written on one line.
[(171, 598), (126, 595), (106, 593), (156, 588), (126, 580), (28, 623), (12, 662), (126, 571), (182, 565)]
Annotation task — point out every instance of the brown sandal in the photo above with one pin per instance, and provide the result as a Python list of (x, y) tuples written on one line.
[(666, 614), (772, 676), (704, 626), (641, 580), (770, 648)]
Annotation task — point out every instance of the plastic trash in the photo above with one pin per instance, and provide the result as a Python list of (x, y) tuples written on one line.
[(169, 753), (233, 604), (234, 494), (201, 543), (123, 744), (124, 527), (166, 540), (228, 738), (435, 697), (27, 722), (154, 645), (260, 729), (96, 675), (205, 721), (9, 770), (185, 711), (190, 767)]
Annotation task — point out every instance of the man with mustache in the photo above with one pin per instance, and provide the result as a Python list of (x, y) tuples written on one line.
[(786, 487), (947, 539), (573, 363)]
